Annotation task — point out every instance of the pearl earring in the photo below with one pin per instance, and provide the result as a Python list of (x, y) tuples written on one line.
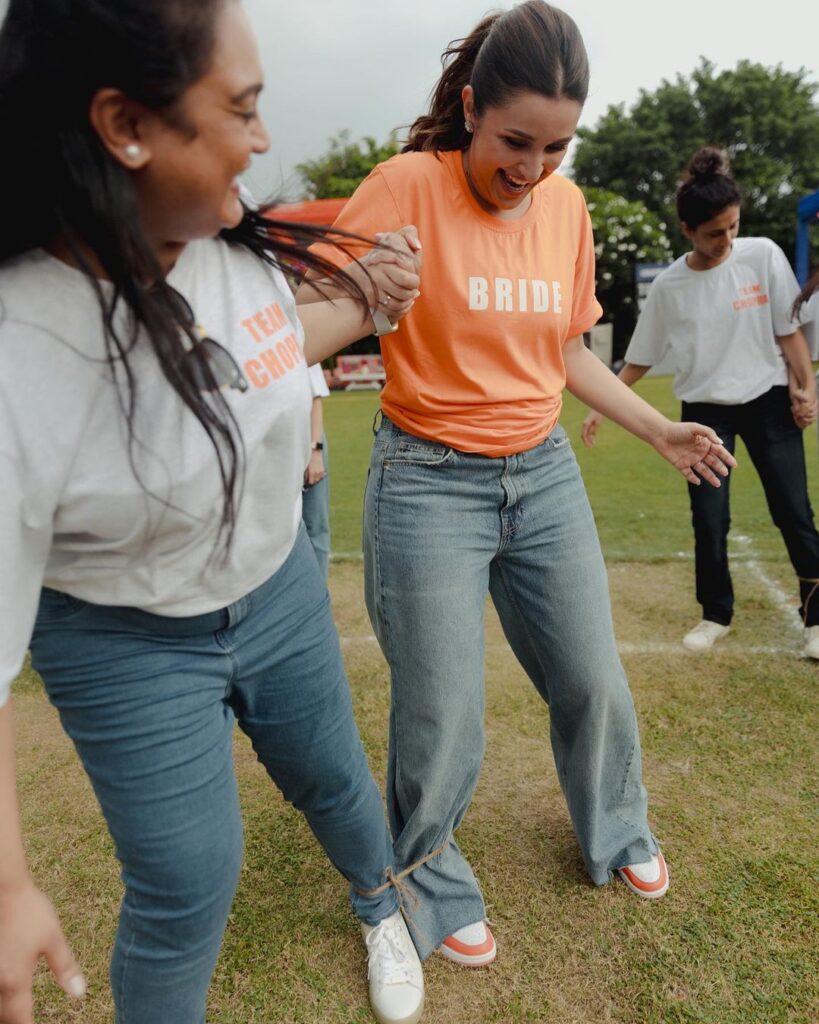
[(468, 126), (132, 151)]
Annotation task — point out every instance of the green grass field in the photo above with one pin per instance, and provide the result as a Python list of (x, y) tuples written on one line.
[(640, 502), (729, 747)]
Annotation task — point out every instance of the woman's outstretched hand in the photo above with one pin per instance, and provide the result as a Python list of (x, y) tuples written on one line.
[(589, 429), (696, 451), (29, 930)]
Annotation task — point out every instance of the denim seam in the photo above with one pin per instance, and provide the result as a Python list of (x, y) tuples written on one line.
[(222, 640), (625, 783), (513, 601), (126, 956), (381, 613)]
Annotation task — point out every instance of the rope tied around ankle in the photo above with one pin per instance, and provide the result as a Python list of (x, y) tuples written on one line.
[(408, 902), (814, 588)]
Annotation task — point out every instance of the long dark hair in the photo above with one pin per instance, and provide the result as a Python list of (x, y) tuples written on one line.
[(60, 182), (811, 286), (533, 47), (707, 188)]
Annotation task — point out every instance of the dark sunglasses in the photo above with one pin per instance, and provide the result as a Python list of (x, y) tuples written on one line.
[(225, 370)]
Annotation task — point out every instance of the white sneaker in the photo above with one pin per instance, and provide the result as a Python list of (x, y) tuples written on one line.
[(811, 642), (394, 971), (473, 945), (703, 635), (648, 879)]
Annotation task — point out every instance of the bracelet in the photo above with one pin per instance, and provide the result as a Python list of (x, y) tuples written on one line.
[(382, 323), (317, 446)]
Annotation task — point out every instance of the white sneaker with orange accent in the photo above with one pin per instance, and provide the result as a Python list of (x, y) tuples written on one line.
[(649, 879), (473, 946)]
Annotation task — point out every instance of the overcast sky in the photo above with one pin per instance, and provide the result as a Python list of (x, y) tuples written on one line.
[(369, 65)]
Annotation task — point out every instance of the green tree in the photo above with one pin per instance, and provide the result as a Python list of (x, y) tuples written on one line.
[(339, 171), (765, 118), (625, 232)]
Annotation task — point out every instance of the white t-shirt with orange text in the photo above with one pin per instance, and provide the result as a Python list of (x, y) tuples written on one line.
[(74, 514), (720, 325)]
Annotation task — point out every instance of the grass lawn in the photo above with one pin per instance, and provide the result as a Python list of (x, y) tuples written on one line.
[(729, 747)]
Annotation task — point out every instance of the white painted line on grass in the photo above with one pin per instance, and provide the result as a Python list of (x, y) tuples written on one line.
[(777, 595), (624, 647)]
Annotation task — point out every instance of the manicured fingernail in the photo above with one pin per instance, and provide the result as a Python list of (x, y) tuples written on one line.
[(76, 986)]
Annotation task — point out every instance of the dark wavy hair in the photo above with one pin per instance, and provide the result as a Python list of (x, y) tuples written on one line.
[(533, 47), (60, 182), (811, 286), (707, 188)]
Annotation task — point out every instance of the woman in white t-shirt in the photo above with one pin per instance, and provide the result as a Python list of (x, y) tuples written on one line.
[(316, 494), (151, 545), (724, 315)]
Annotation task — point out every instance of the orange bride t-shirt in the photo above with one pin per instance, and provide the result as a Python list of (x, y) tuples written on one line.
[(477, 364)]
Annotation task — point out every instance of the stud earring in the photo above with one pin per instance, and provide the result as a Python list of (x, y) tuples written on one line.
[(468, 126), (132, 151)]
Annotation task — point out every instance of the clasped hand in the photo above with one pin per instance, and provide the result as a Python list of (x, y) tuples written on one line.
[(394, 268)]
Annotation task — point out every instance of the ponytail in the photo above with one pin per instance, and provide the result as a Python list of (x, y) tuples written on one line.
[(443, 127), (533, 47)]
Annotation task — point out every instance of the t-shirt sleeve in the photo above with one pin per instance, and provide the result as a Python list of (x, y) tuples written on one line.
[(371, 209), (586, 310), (650, 341), (809, 318), (318, 385), (24, 545), (783, 291)]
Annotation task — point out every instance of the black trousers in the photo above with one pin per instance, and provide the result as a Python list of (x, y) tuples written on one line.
[(775, 446)]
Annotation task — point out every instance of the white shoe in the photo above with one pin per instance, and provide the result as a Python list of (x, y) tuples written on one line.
[(473, 945), (703, 635), (394, 971), (811, 642), (648, 879)]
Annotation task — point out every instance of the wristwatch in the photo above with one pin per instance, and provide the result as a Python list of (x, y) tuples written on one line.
[(382, 323), (317, 446)]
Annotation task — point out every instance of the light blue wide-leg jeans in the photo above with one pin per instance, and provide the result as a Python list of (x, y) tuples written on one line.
[(150, 703), (441, 530)]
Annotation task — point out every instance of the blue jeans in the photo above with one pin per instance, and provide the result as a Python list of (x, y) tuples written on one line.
[(442, 529), (316, 515), (150, 703), (776, 448)]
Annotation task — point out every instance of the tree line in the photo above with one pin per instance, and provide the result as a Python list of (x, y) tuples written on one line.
[(629, 163)]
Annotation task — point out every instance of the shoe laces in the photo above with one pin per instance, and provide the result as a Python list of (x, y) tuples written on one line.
[(387, 958)]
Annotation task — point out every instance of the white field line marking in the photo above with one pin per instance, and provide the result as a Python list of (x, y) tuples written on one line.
[(623, 647), (777, 595), (753, 567)]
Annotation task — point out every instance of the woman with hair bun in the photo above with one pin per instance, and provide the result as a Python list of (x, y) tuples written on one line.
[(473, 488), (725, 314), (154, 431)]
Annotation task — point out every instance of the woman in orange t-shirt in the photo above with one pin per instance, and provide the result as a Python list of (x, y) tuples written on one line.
[(473, 486)]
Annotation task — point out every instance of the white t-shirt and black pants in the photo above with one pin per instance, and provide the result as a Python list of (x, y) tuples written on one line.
[(720, 327), (316, 498), (150, 643)]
